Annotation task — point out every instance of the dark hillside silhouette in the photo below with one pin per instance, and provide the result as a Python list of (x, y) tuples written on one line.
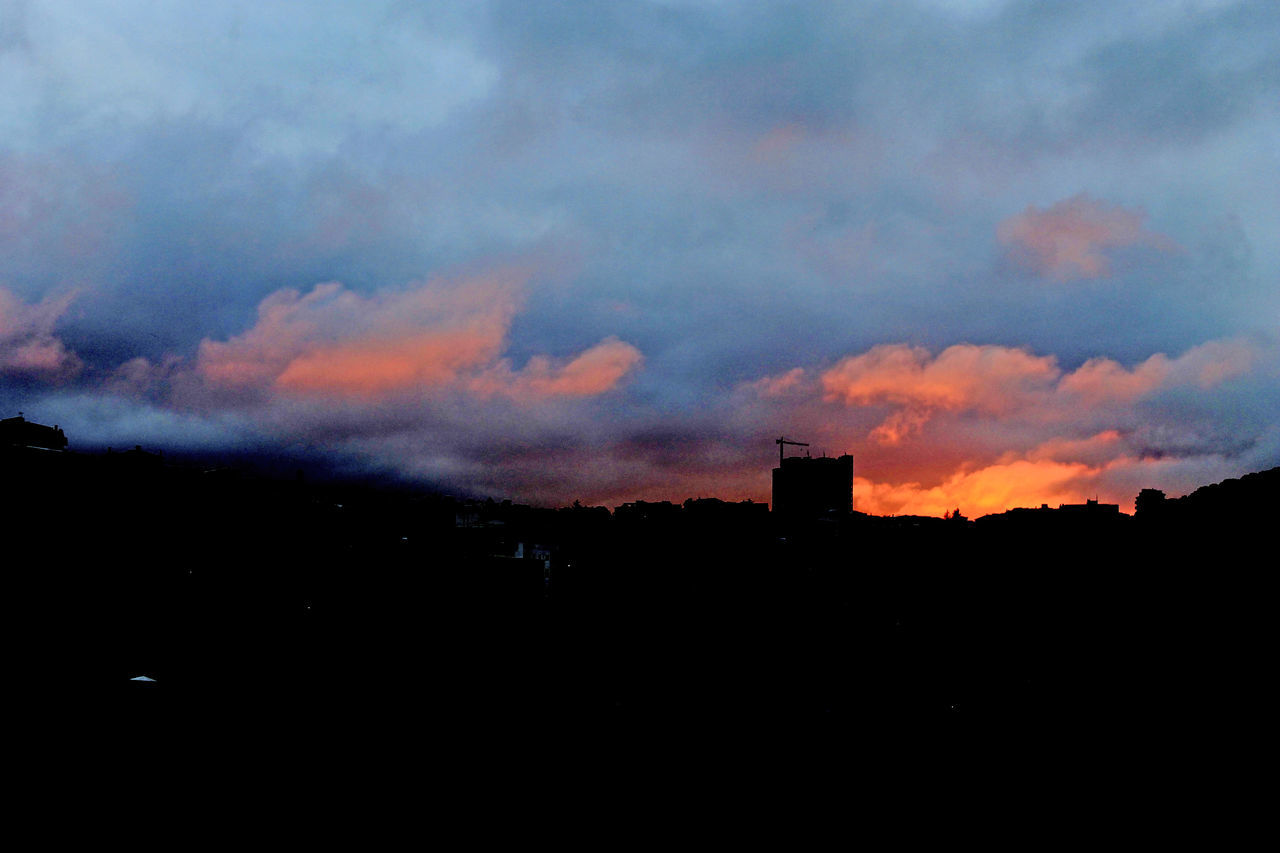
[(218, 583)]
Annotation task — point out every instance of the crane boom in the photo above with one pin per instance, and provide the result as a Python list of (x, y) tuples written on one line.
[(780, 441)]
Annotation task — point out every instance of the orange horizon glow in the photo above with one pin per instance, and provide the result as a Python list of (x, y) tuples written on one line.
[(990, 490)]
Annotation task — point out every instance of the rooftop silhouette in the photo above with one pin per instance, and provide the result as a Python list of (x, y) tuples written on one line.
[(19, 432)]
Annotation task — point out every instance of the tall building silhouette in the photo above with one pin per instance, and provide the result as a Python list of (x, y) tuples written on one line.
[(806, 488)]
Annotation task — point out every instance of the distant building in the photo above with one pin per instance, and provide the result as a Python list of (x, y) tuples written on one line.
[(806, 488), (1092, 507), (1088, 514), (647, 511), (20, 432), (713, 512)]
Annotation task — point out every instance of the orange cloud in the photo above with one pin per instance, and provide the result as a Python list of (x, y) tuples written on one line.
[(1096, 449), (993, 488), (1069, 239), (776, 386), (374, 366), (332, 339), (1057, 472), (338, 343), (900, 425), (1103, 380), (1002, 381), (990, 379), (594, 371), (1215, 362), (27, 341)]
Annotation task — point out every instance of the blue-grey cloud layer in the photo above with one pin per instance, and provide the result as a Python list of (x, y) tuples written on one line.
[(735, 190)]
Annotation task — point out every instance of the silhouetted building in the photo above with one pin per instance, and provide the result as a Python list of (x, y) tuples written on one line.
[(713, 512), (1092, 507), (806, 488), (647, 511), (20, 432), (1087, 515)]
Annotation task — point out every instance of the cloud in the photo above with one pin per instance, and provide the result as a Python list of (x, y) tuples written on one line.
[(1073, 238), (332, 342), (961, 376), (163, 62), (769, 193), (60, 218), (1007, 382), (989, 427), (417, 380), (777, 386), (97, 418), (1103, 380), (28, 345), (991, 379), (594, 371)]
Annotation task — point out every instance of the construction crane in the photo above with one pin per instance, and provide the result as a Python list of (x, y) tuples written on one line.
[(780, 441)]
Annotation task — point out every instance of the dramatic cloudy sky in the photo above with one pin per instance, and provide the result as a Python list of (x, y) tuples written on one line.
[(1004, 253)]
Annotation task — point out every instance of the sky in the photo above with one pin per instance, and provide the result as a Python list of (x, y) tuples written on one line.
[(1005, 253)]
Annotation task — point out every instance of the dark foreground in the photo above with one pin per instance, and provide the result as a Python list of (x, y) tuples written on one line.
[(378, 610)]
